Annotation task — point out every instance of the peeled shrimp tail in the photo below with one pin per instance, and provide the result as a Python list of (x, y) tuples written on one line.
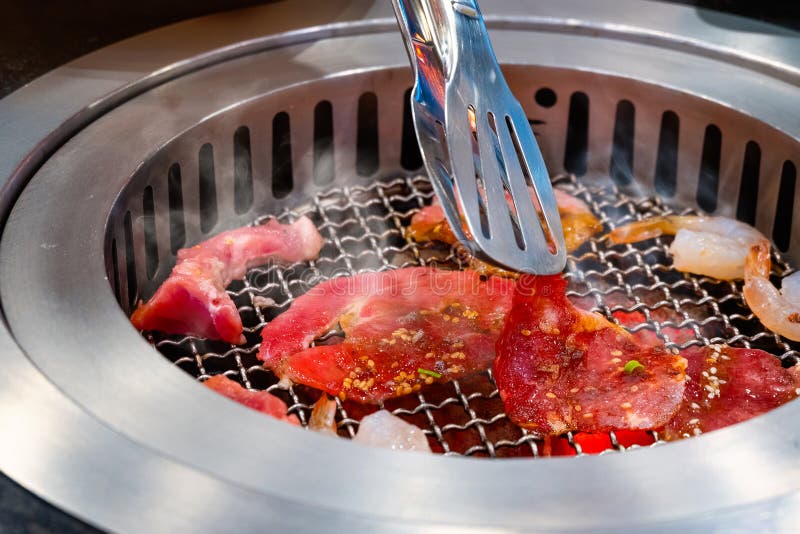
[(646, 229), (323, 416), (775, 311), (758, 263)]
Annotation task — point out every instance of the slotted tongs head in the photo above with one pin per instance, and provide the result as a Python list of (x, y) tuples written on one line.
[(478, 147)]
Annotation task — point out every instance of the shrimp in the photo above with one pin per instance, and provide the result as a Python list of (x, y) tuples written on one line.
[(726, 249), (778, 310), (709, 246), (323, 416), (382, 429), (577, 221)]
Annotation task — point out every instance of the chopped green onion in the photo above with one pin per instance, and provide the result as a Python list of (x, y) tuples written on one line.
[(632, 366), (434, 374)]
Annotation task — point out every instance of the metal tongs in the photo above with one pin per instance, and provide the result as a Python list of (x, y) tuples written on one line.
[(478, 147)]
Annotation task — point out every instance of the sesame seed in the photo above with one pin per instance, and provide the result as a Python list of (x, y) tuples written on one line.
[(615, 360), (695, 406), (525, 332), (697, 431), (713, 370), (634, 388), (694, 421), (429, 355), (625, 405), (456, 319), (578, 407), (588, 415), (574, 390), (550, 395), (616, 353)]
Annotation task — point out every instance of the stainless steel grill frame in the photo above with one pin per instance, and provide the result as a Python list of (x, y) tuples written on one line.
[(72, 404)]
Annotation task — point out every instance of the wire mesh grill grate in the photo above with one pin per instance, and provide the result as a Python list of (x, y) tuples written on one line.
[(364, 230)]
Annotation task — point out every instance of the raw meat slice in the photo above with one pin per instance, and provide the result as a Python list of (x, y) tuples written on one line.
[(193, 300), (729, 385), (559, 368), (403, 329), (260, 401)]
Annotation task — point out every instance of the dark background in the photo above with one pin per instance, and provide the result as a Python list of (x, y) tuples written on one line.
[(38, 35)]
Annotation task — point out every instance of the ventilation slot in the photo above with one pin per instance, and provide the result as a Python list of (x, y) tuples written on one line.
[(666, 173), (177, 228), (323, 143), (208, 189), (782, 230), (150, 240), (282, 174), (545, 97), (410, 156), (130, 262), (748, 191), (367, 137), (576, 153), (708, 181), (242, 170), (115, 268), (621, 170)]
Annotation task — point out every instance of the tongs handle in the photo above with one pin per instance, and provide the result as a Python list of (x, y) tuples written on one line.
[(423, 24)]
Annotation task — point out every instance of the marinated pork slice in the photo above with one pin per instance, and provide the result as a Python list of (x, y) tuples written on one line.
[(260, 401), (193, 300), (729, 385), (403, 329), (559, 368)]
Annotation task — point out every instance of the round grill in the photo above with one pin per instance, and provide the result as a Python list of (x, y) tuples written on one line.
[(634, 118)]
